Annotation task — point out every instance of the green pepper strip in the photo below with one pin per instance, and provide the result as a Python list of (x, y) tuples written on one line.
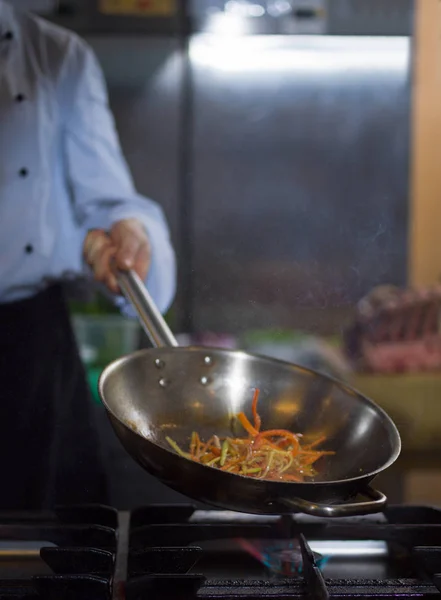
[(268, 466), (224, 451), (176, 448), (251, 471), (286, 467)]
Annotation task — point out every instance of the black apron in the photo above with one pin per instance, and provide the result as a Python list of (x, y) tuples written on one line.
[(49, 449)]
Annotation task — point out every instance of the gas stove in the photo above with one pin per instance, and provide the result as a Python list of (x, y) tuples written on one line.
[(181, 553)]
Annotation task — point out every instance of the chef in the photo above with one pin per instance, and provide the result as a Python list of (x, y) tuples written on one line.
[(68, 208)]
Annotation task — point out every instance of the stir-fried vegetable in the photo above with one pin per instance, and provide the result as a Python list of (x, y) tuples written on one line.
[(274, 454)]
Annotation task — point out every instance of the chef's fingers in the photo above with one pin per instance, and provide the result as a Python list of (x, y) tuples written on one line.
[(130, 238), (143, 260), (127, 249), (99, 252), (95, 241), (103, 268), (110, 278), (88, 242)]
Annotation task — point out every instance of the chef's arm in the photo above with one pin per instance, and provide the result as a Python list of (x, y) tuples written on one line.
[(101, 184)]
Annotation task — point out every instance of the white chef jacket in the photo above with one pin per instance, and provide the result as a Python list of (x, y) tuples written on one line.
[(62, 172)]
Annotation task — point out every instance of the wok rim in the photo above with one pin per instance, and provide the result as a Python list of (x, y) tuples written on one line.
[(111, 367)]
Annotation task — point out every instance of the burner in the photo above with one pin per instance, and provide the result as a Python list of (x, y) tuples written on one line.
[(177, 552), (280, 557)]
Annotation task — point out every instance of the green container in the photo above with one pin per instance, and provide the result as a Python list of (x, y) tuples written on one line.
[(102, 339), (93, 376)]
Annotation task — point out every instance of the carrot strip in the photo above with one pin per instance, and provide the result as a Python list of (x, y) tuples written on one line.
[(315, 443), (247, 425), (256, 416), (312, 459), (315, 452), (290, 477), (279, 433)]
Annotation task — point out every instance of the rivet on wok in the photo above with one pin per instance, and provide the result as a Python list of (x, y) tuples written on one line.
[(163, 382), (205, 381), (159, 364), (208, 360)]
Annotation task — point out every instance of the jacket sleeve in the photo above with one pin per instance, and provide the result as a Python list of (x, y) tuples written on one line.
[(102, 188)]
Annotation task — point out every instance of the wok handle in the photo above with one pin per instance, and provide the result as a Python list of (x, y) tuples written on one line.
[(376, 504), (151, 319)]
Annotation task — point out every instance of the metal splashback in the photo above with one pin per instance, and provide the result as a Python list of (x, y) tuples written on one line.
[(329, 17), (300, 177)]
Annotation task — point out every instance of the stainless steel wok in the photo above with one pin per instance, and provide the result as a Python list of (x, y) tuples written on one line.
[(172, 391)]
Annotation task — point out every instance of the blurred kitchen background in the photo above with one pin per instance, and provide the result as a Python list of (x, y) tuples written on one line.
[(292, 144)]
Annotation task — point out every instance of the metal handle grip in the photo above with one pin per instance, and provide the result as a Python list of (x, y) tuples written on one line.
[(151, 319), (376, 504)]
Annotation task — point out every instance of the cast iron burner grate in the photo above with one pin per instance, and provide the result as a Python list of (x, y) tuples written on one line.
[(178, 552)]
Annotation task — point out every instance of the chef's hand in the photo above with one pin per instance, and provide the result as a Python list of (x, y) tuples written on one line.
[(126, 246)]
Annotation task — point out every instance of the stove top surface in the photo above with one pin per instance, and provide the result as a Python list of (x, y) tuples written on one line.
[(175, 551)]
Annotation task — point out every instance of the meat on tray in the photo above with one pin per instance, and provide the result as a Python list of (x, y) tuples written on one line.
[(396, 330)]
